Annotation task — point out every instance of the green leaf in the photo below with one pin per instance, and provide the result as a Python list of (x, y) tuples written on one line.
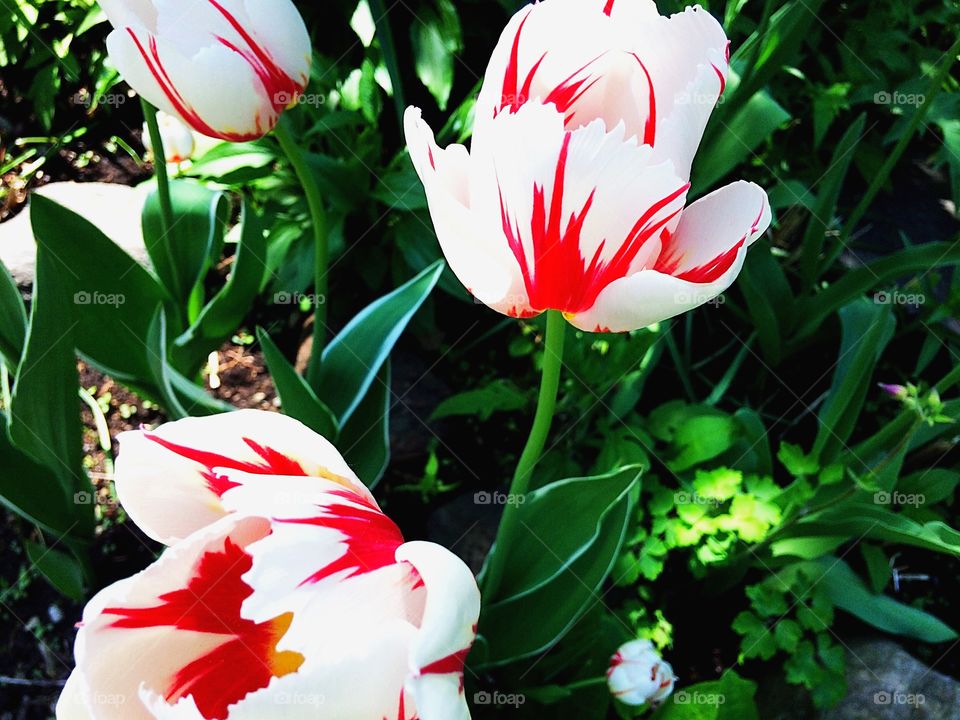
[(788, 634), (116, 296), (43, 500), (757, 640), (498, 396), (796, 461), (848, 592), (554, 573), (221, 317), (878, 566), (365, 439), (44, 417), (182, 256), (702, 438), (160, 367), (729, 698), (297, 398), (821, 218), (60, 569), (436, 41), (769, 299), (13, 319), (867, 329), (353, 358), (737, 138), (811, 312)]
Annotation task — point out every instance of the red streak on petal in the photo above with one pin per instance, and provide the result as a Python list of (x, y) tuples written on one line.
[(559, 277), (650, 129), (512, 95), (190, 116), (371, 538), (723, 80), (450, 664), (608, 8), (247, 659), (274, 462)]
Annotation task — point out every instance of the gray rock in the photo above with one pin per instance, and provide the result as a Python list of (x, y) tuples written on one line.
[(115, 209), (885, 683)]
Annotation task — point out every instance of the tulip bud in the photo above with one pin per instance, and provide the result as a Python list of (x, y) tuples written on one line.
[(178, 142), (226, 68), (898, 392), (638, 675)]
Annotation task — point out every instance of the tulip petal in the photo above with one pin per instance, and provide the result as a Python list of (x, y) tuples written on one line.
[(698, 262), (72, 704), (578, 209), (165, 479), (447, 630), (176, 629), (478, 258)]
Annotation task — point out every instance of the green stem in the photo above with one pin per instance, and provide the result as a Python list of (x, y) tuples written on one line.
[(318, 216), (543, 419), (159, 165), (5, 386)]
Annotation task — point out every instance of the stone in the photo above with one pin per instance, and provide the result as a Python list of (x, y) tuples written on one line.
[(115, 209), (884, 682)]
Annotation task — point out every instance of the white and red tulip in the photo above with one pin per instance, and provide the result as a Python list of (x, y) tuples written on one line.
[(284, 592), (573, 194), (178, 142), (228, 68), (638, 675)]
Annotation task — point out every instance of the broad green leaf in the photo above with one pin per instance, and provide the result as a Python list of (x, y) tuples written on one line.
[(183, 255), (535, 617), (769, 299), (230, 163), (221, 317), (62, 570), (13, 319), (737, 138), (365, 439), (352, 359), (498, 396), (34, 491), (115, 296), (44, 413), (934, 484), (160, 367), (542, 548), (702, 438), (848, 592), (867, 329), (297, 398)]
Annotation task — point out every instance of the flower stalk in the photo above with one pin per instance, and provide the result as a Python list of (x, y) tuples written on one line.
[(318, 218), (159, 165)]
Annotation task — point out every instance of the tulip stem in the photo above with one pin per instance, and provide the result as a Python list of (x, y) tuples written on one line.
[(159, 166), (318, 216), (543, 419)]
